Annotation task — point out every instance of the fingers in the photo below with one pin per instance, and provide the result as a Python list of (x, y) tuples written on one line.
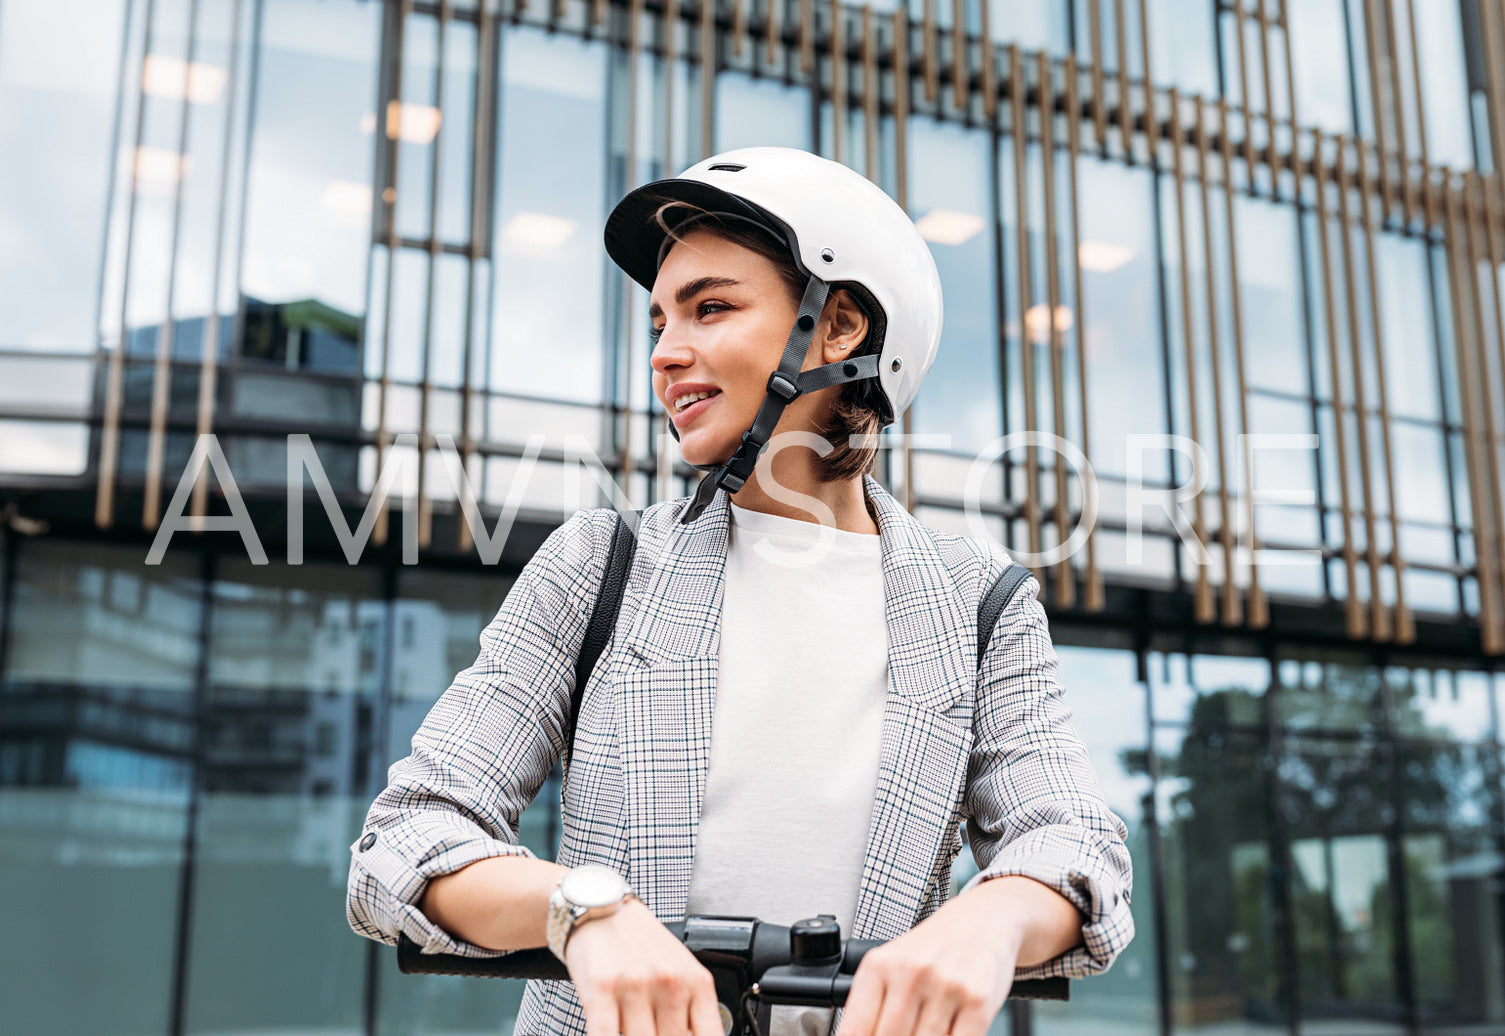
[(601, 1018), (864, 1000), (935, 1017), (705, 1016), (637, 1011)]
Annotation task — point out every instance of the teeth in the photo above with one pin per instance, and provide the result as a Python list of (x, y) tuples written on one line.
[(684, 401)]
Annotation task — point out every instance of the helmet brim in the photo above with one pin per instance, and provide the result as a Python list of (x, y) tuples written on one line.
[(635, 239)]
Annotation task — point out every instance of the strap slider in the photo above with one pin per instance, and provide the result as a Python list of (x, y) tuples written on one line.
[(781, 385)]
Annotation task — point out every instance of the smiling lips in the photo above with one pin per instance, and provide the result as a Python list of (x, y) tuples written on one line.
[(683, 417)]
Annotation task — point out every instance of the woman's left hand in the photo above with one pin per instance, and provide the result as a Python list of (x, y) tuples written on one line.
[(950, 974)]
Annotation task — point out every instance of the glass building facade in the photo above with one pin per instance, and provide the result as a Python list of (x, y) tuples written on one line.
[(1243, 255)]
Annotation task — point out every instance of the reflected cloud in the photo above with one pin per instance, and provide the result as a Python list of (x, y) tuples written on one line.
[(536, 231), (410, 123), (1037, 320), (167, 77), (157, 169), (346, 203), (1102, 257), (944, 227)]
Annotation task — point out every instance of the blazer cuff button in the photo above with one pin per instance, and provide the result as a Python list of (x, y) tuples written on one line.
[(368, 841)]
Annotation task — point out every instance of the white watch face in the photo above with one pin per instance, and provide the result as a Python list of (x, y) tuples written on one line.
[(592, 887)]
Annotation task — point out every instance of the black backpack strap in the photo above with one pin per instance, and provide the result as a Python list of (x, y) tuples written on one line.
[(624, 543), (995, 601)]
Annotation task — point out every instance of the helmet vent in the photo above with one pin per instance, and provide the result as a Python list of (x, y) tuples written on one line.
[(827, 255), (728, 167), (897, 364)]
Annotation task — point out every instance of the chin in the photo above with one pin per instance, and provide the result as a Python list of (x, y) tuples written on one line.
[(701, 450)]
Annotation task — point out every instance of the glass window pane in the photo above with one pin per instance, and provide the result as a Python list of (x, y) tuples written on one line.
[(96, 741), (294, 661), (949, 198), (1108, 712), (550, 267), (1319, 57), (308, 196), (1212, 805), (437, 619), (59, 84), (1334, 693), (1337, 805), (1209, 689), (1444, 86), (1183, 51)]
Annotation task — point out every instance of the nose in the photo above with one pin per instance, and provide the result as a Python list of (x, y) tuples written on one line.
[(670, 352)]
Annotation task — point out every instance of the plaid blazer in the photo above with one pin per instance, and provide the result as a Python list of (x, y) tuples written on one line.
[(991, 745)]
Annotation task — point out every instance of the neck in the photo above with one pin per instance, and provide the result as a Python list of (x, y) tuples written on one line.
[(791, 490)]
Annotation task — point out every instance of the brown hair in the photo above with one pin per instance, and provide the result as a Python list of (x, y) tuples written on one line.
[(857, 409)]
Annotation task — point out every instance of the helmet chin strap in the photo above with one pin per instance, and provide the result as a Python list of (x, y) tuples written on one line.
[(785, 385)]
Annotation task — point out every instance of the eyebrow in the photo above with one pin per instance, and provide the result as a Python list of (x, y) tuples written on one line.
[(690, 289)]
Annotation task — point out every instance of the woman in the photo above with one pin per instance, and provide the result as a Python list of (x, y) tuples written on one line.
[(791, 718)]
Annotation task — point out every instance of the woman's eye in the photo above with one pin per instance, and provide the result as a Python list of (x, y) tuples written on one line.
[(712, 307), (655, 333)]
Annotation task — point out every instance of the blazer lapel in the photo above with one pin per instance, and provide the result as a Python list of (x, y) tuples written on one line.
[(664, 678), (926, 723)]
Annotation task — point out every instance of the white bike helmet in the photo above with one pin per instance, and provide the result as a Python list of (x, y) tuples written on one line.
[(842, 232)]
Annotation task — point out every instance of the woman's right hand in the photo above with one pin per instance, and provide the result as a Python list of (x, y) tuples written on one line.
[(634, 977)]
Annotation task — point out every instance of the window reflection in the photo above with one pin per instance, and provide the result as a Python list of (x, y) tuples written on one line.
[(949, 195), (96, 735), (59, 78), (547, 311), (285, 787), (1320, 56), (1109, 713)]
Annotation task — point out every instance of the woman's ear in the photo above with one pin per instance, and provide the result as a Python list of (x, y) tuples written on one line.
[(845, 326)]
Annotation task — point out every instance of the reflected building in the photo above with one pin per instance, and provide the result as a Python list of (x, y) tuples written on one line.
[(1244, 255)]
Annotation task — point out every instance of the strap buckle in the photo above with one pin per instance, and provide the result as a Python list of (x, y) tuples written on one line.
[(783, 386)]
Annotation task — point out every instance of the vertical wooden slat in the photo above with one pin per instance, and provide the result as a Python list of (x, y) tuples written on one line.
[(1488, 429), (871, 95), (1427, 196), (1461, 278), (1405, 630), (1490, 15), (1272, 154), (1093, 598), (1099, 88), (622, 414), (1379, 619), (1065, 571), (1125, 100), (1233, 609), (807, 40), (1245, 107), (480, 174), (707, 77), (1259, 611), (739, 27), (1017, 87), (1492, 246), (772, 10), (929, 56), (389, 215), (1151, 116), (1203, 606), (1353, 611), (1397, 99), (901, 116), (838, 81), (598, 12), (1377, 98), (209, 355), (961, 58), (1295, 156), (156, 444), (671, 59), (426, 385), (989, 56)]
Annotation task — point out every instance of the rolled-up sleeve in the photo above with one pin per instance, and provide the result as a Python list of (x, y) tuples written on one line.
[(484, 750), (1033, 802)]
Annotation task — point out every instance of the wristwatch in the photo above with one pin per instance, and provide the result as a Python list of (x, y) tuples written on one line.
[(583, 894)]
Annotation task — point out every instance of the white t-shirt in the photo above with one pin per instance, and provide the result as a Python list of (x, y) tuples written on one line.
[(797, 727)]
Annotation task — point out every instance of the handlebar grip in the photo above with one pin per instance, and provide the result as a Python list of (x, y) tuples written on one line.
[(1025, 989), (540, 964)]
